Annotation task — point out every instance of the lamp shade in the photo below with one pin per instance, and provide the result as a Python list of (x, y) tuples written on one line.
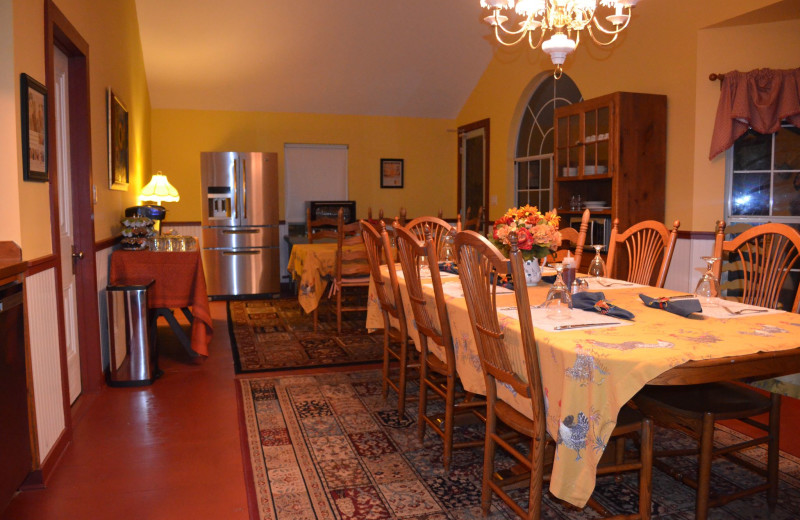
[(159, 190)]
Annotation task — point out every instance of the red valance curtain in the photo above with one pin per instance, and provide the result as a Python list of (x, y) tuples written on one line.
[(759, 99)]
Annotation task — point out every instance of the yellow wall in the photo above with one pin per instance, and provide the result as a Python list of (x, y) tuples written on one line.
[(115, 59), (428, 147), (9, 209), (656, 54)]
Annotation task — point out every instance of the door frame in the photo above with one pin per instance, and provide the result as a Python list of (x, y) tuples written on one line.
[(61, 33), (462, 130)]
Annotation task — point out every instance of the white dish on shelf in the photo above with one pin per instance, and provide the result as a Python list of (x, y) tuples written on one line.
[(595, 202), (590, 170), (597, 208), (569, 172)]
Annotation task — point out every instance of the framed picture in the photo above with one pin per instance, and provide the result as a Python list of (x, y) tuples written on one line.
[(118, 173), (391, 173), (33, 98)]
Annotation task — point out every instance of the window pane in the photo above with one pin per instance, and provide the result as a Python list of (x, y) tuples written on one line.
[(533, 176), (544, 200), (786, 195), (787, 149), (750, 194), (602, 121), (590, 120), (752, 151), (522, 198), (522, 175), (545, 177)]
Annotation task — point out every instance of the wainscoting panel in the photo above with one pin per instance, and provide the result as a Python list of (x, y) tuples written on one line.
[(186, 230), (40, 292), (102, 260), (687, 265)]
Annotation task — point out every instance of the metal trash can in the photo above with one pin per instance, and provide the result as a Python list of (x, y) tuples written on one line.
[(132, 354)]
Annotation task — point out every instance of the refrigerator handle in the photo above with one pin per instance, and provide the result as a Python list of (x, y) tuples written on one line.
[(235, 193), (237, 253), (244, 188)]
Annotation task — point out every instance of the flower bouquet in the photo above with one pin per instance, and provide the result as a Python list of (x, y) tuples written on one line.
[(537, 234)]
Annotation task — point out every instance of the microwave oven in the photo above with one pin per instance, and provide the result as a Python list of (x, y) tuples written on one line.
[(599, 231)]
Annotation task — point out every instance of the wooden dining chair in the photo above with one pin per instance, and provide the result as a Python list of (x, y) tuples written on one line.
[(572, 239), (439, 230), (645, 243), (475, 223), (767, 253), (395, 327), (437, 356), (350, 271), (321, 228), (480, 266)]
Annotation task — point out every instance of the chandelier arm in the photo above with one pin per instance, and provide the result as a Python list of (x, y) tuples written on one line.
[(618, 29), (601, 43), (498, 26), (500, 39), (541, 39)]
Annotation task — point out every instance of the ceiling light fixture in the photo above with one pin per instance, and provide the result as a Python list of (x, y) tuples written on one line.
[(564, 20)]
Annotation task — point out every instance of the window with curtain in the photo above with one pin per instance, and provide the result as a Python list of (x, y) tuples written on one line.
[(534, 156)]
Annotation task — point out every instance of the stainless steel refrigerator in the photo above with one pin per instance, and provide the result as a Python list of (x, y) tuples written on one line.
[(240, 223)]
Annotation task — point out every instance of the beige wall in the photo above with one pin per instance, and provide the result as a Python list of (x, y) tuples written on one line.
[(115, 60), (656, 54), (428, 147)]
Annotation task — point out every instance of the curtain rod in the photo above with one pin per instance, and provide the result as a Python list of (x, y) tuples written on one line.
[(714, 76)]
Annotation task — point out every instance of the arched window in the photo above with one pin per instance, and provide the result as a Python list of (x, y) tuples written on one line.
[(534, 155)]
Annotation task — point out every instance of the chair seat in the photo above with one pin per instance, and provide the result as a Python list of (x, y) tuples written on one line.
[(725, 400), (355, 280)]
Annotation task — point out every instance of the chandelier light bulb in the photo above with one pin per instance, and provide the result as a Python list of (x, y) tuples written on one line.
[(556, 25)]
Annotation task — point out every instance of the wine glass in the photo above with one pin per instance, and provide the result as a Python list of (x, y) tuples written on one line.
[(447, 252), (708, 287), (598, 267), (558, 302)]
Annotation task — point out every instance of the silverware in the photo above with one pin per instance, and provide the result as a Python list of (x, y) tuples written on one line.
[(609, 284), (742, 311), (581, 325), (679, 297)]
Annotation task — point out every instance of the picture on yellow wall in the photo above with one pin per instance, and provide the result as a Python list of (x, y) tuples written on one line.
[(391, 173), (33, 99), (118, 172)]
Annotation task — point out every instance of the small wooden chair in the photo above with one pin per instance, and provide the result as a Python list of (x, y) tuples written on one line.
[(645, 243), (766, 254), (391, 303), (351, 269), (474, 223), (321, 228), (480, 266), (437, 365), (574, 240)]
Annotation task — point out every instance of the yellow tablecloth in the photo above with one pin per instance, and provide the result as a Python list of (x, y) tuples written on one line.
[(589, 374), (310, 263)]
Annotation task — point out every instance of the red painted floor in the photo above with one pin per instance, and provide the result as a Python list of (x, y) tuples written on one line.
[(172, 450), (166, 451)]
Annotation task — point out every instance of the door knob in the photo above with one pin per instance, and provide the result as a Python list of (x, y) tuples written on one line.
[(78, 255)]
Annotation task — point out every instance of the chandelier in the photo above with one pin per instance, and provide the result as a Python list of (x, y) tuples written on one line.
[(563, 20)]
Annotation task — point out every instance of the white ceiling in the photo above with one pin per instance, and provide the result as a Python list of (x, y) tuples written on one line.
[(414, 58)]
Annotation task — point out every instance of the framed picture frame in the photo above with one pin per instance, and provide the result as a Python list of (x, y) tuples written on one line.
[(391, 173), (118, 170), (33, 111)]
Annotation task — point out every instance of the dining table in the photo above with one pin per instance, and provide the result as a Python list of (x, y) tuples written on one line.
[(312, 265), (590, 372), (179, 283)]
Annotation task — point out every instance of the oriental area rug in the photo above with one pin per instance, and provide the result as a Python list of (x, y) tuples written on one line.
[(277, 335), (329, 447)]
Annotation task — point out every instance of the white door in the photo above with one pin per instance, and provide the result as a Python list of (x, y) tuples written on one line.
[(65, 226), (473, 172)]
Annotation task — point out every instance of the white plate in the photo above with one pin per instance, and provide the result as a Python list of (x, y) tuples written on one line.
[(595, 203), (597, 208)]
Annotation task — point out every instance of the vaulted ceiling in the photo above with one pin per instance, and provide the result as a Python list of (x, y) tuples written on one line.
[(412, 58)]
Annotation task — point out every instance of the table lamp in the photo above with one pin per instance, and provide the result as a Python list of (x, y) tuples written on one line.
[(159, 190)]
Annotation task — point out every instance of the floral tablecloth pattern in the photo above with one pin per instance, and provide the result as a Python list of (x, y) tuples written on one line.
[(589, 374), (313, 265)]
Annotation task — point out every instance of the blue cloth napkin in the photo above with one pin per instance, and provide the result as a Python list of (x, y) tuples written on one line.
[(596, 302), (682, 307)]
